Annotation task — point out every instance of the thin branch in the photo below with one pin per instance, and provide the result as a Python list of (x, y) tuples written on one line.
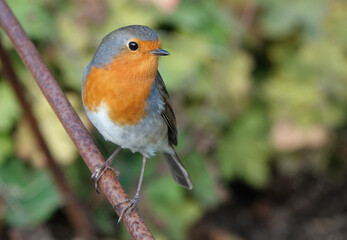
[(73, 209), (70, 120)]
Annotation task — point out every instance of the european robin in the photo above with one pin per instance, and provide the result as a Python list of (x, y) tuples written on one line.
[(126, 99)]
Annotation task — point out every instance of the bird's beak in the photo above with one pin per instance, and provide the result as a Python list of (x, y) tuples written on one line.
[(160, 52)]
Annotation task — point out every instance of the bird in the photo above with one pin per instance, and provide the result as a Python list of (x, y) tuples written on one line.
[(126, 99)]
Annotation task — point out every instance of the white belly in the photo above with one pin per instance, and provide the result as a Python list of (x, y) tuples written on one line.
[(147, 136)]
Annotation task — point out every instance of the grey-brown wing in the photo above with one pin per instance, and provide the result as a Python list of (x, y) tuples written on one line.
[(167, 113)]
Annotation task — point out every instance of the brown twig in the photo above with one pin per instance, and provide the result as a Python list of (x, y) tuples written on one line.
[(74, 211), (69, 119)]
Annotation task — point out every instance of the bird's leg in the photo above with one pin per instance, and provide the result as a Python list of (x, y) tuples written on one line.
[(103, 168), (132, 203)]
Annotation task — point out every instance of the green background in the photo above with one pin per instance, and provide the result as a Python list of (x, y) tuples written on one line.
[(259, 89)]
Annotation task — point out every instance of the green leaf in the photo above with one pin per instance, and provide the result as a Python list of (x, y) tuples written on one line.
[(202, 181), (6, 147), (244, 151), (280, 18), (34, 17), (9, 108), (310, 87), (169, 203), (30, 195)]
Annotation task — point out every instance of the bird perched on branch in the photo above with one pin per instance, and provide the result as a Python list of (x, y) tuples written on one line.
[(126, 99)]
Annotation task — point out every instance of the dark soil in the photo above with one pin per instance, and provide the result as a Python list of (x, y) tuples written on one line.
[(289, 209)]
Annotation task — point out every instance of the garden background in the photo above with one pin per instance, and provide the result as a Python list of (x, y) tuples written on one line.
[(259, 89)]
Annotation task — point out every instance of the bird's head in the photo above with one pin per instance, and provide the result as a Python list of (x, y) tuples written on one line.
[(133, 43)]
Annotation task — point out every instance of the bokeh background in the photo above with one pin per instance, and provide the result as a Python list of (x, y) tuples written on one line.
[(259, 89)]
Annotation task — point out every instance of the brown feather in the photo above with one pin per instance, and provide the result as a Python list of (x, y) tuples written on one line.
[(167, 113)]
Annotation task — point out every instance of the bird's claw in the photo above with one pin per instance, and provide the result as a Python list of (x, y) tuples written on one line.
[(100, 171), (132, 204)]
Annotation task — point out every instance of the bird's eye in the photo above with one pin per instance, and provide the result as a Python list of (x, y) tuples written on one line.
[(133, 46)]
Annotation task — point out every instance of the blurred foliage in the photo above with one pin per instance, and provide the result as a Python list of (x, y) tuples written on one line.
[(253, 84), (28, 194), (250, 130)]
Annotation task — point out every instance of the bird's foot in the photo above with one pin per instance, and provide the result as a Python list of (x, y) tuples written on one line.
[(132, 204), (100, 171)]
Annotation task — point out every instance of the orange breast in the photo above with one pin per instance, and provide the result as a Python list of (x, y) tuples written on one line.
[(123, 86)]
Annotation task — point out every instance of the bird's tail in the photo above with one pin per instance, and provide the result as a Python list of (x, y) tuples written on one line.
[(179, 173)]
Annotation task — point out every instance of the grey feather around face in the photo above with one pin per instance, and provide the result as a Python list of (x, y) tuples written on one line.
[(116, 42)]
